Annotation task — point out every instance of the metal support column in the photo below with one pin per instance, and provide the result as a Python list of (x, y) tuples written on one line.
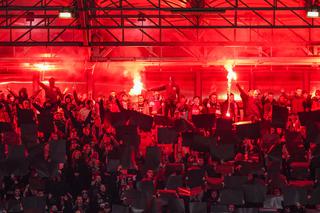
[(251, 80), (198, 83), (35, 81), (306, 80), (90, 82)]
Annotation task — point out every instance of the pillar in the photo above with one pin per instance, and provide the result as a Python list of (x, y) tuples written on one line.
[(90, 82), (197, 83), (306, 80), (35, 81), (251, 80)]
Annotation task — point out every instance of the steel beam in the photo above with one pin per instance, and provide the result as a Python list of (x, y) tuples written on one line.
[(162, 24), (158, 44), (164, 9), (186, 61)]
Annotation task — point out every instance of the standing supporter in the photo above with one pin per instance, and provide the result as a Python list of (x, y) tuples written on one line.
[(111, 103), (267, 106), (307, 101), (4, 113), (124, 103), (251, 104), (196, 107), (52, 92), (156, 104), (316, 101), (212, 105), (297, 102), (45, 118), (25, 115), (231, 107), (183, 108), (283, 100), (171, 96), (142, 105)]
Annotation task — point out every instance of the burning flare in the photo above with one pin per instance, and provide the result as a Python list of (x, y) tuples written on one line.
[(43, 66), (137, 85), (133, 70), (231, 76)]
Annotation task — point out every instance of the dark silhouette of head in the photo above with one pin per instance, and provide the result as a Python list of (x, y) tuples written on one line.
[(52, 82)]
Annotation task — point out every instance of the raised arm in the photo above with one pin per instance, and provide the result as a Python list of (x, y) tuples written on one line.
[(60, 94), (119, 105), (76, 124), (102, 110), (12, 93), (76, 98), (178, 92), (37, 107), (164, 87), (35, 94), (243, 94), (88, 118), (8, 110), (65, 110), (43, 86)]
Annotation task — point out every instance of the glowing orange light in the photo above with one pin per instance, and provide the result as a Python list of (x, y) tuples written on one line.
[(223, 96), (45, 55), (231, 76), (15, 82), (137, 85), (133, 71), (65, 14), (43, 66), (65, 90)]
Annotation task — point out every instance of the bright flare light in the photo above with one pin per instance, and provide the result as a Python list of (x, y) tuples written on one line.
[(43, 66), (15, 82), (133, 71), (65, 90), (313, 14), (137, 85), (65, 14), (231, 76)]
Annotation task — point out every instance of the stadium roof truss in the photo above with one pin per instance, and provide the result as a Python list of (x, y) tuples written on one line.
[(202, 31)]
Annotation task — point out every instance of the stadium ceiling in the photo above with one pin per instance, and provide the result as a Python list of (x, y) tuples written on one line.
[(166, 31)]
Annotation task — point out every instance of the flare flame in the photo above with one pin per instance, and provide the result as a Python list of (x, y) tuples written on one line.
[(133, 70), (137, 85), (231, 76)]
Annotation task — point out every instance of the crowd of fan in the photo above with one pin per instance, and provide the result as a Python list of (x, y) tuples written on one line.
[(102, 173)]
